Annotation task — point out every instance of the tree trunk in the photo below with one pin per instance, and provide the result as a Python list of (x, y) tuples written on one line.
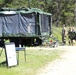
[(57, 20), (75, 13)]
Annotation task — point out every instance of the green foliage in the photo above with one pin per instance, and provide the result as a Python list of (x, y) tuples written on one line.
[(69, 14), (62, 10), (1, 1)]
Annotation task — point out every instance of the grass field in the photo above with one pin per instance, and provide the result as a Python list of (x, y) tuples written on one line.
[(35, 59), (57, 33)]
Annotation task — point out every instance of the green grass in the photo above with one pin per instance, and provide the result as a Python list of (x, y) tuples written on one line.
[(57, 32), (35, 59)]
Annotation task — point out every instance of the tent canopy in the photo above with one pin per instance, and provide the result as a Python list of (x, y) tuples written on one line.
[(22, 10), (23, 22)]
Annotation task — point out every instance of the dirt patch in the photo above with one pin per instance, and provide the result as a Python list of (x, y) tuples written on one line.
[(64, 66)]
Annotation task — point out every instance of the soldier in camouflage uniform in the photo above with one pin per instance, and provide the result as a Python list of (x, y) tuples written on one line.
[(69, 35), (64, 33)]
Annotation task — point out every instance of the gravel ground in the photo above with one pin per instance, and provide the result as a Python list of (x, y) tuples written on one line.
[(64, 66)]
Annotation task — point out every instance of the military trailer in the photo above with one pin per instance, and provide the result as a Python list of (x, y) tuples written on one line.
[(24, 26)]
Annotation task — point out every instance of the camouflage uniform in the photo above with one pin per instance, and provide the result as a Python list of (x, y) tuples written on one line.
[(64, 35), (69, 36)]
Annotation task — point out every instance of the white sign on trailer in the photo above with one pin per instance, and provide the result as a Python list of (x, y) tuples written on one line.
[(10, 54)]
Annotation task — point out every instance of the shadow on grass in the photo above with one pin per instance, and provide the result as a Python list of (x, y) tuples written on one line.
[(3, 64)]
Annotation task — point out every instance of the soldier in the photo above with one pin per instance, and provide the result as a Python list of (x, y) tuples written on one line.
[(64, 33), (73, 36), (69, 35)]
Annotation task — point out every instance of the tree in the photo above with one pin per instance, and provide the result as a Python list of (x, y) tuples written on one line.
[(5, 2), (75, 13), (54, 7), (63, 11), (68, 12)]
